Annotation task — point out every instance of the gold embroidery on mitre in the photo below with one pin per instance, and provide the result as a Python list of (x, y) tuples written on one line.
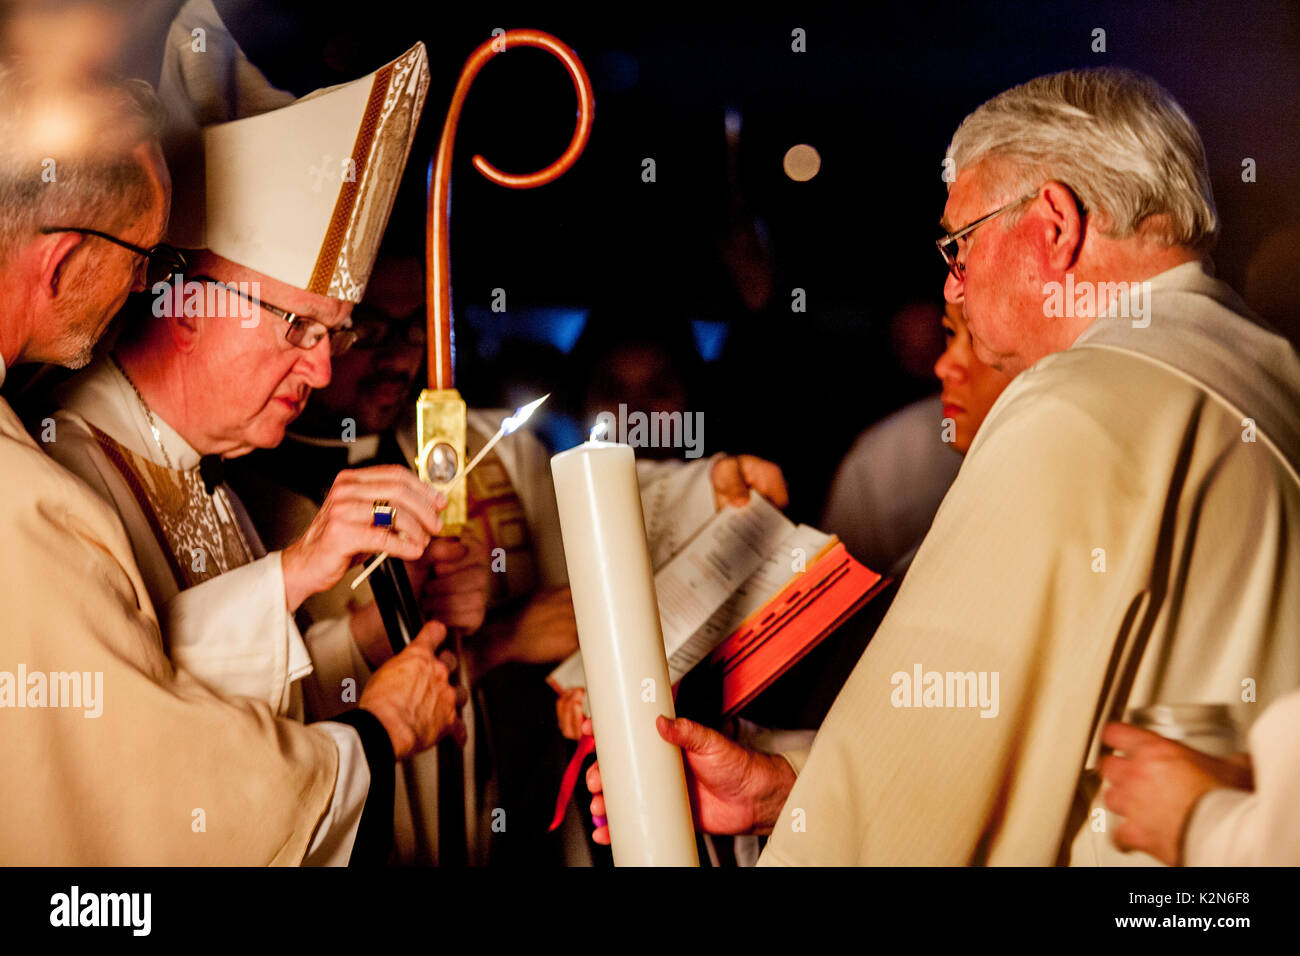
[(378, 156), (497, 516), (322, 277)]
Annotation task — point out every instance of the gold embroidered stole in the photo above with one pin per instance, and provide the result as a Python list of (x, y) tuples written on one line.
[(197, 532), (496, 515)]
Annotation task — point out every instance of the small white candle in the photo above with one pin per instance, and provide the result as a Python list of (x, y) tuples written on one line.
[(644, 782)]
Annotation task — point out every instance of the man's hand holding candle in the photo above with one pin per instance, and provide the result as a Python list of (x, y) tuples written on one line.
[(733, 789), (344, 528), (734, 475)]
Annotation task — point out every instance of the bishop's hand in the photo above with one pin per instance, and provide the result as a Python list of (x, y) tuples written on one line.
[(733, 789), (343, 529), (412, 695)]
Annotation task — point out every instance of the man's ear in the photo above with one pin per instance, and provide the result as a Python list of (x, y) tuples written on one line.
[(56, 251), (184, 326), (1064, 225)]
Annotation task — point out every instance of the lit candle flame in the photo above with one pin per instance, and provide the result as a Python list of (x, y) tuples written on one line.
[(522, 415), (599, 431)]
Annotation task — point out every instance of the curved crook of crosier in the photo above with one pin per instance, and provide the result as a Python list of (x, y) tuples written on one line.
[(581, 130), (437, 249)]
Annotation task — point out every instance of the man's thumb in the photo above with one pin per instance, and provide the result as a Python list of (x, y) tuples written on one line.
[(728, 481), (431, 635), (683, 733)]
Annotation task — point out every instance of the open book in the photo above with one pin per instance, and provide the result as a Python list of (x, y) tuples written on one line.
[(753, 593)]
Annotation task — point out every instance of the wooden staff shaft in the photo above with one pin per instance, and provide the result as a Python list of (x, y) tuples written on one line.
[(437, 248)]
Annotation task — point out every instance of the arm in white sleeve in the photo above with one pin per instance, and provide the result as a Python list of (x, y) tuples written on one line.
[(337, 831), (373, 841), (235, 635), (1240, 828)]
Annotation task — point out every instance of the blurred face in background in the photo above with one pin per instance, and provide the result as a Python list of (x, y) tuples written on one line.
[(969, 386), (642, 376), (916, 339), (372, 382)]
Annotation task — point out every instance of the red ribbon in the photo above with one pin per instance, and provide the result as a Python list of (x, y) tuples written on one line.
[(585, 747)]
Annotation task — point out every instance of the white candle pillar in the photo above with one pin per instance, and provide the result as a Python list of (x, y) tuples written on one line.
[(644, 782)]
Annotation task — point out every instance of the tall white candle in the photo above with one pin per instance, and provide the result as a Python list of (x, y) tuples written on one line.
[(644, 783)]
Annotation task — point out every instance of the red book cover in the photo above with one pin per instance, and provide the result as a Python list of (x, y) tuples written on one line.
[(777, 636)]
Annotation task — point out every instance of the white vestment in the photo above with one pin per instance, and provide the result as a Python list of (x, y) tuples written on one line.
[(233, 631), (1123, 532)]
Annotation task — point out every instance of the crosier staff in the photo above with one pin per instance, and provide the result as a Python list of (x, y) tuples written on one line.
[(440, 410)]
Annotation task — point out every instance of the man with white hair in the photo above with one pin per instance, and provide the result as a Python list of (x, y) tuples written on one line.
[(1122, 532)]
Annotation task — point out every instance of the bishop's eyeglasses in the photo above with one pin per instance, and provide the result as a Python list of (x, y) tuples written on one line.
[(948, 244), (304, 332)]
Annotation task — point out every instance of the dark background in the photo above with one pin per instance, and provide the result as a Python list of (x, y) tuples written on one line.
[(878, 94)]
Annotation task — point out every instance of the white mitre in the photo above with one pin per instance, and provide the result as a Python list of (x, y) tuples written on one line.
[(297, 189)]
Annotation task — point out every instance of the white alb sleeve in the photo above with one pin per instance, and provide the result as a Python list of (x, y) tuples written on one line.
[(331, 845)]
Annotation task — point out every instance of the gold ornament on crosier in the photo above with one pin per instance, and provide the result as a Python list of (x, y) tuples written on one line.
[(440, 410), (440, 423)]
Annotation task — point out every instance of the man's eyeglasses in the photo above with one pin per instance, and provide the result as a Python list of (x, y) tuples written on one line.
[(164, 261), (948, 244), (376, 330), (303, 332)]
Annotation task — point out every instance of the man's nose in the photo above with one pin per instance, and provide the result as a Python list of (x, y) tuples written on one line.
[(315, 364), (954, 289)]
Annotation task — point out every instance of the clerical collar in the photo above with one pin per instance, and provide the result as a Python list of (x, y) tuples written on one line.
[(364, 448), (103, 397), (2, 369)]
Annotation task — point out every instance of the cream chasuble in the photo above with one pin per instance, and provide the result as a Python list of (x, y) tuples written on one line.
[(1122, 532), (220, 596), (158, 770)]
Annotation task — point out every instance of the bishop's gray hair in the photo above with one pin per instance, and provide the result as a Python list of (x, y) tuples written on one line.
[(66, 151), (1115, 137)]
